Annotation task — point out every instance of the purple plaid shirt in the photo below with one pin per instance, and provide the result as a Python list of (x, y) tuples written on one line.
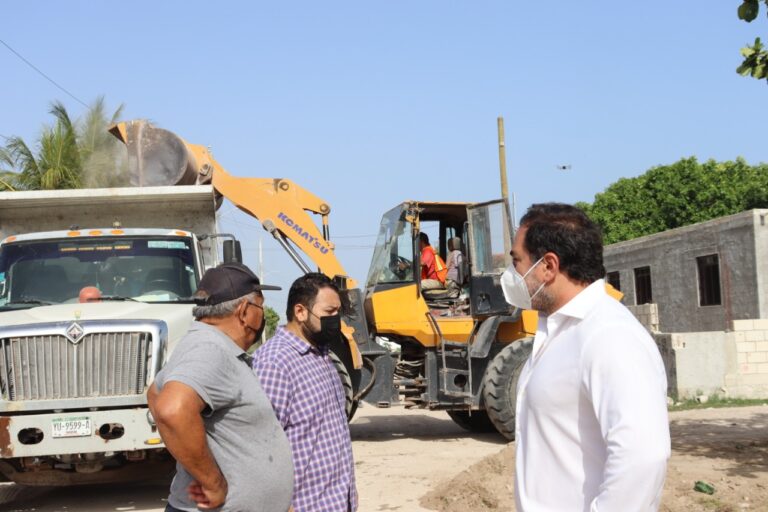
[(306, 393)]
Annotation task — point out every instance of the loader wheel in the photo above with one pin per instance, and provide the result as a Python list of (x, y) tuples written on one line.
[(500, 385), (350, 405), (478, 422)]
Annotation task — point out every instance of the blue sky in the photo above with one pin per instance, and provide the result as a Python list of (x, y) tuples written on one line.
[(367, 104)]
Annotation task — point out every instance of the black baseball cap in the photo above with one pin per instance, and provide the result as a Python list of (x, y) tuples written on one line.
[(228, 281)]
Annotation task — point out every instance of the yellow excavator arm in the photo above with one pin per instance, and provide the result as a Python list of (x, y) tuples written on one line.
[(160, 157)]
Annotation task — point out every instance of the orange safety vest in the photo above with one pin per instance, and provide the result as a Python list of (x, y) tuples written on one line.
[(440, 267)]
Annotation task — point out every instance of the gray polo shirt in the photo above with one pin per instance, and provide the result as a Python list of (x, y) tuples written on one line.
[(243, 433)]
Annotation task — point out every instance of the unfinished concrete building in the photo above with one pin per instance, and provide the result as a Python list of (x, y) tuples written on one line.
[(704, 286)]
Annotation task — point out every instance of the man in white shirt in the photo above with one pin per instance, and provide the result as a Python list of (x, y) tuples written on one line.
[(591, 415)]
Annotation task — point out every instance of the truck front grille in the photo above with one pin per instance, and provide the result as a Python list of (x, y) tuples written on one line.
[(52, 367)]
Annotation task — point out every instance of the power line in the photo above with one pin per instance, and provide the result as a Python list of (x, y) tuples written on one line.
[(43, 74)]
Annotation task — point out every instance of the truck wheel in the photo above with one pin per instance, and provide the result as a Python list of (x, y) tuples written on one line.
[(478, 422), (500, 385), (350, 405)]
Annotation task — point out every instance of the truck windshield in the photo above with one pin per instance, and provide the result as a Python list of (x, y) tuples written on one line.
[(54, 271), (393, 256)]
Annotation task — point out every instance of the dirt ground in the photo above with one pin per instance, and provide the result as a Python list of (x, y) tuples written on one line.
[(727, 448), (412, 461)]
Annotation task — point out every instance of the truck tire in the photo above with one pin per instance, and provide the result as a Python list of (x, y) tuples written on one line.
[(477, 422), (500, 385), (350, 404)]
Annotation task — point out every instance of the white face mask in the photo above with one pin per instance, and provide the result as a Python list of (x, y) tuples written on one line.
[(514, 287)]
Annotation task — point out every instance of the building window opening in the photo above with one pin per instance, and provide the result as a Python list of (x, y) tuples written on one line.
[(614, 280), (709, 280), (643, 292)]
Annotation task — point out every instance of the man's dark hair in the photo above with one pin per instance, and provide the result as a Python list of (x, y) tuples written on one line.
[(424, 238), (304, 291), (566, 231)]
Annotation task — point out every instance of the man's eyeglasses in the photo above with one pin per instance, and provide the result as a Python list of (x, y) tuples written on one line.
[(252, 304)]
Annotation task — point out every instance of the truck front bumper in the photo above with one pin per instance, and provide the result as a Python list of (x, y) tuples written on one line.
[(37, 433)]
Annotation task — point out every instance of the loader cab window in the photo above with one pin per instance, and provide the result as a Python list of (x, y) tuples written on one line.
[(393, 255), (141, 268), (490, 241)]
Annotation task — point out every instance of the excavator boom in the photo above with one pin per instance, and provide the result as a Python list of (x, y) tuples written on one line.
[(160, 157)]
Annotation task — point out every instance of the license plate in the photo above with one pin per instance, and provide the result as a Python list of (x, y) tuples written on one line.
[(74, 426)]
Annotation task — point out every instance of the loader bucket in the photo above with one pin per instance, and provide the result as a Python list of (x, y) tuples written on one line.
[(157, 157)]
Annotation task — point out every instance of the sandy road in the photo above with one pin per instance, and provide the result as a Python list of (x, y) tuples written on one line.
[(399, 455)]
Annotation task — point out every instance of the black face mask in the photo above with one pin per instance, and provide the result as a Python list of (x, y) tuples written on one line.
[(260, 330), (330, 330)]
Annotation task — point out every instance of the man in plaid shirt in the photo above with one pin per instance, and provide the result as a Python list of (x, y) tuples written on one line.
[(299, 378)]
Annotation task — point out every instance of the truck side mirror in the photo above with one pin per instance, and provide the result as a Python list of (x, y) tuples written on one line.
[(232, 251)]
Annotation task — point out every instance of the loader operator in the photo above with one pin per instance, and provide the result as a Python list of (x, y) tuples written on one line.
[(210, 410), (433, 269)]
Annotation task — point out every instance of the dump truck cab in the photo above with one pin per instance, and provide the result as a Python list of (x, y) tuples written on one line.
[(74, 372)]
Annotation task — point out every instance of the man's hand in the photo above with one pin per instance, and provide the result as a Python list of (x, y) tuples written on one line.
[(208, 496)]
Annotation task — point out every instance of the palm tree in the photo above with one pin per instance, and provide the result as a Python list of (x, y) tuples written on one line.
[(69, 155), (103, 156)]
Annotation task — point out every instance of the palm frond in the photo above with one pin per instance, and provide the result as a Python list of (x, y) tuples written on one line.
[(59, 111), (21, 156), (6, 159), (7, 181), (59, 159), (117, 114)]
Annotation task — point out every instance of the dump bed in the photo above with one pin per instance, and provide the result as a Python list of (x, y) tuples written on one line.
[(189, 207)]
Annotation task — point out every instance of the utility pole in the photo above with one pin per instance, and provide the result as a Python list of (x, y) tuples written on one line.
[(502, 160), (504, 186)]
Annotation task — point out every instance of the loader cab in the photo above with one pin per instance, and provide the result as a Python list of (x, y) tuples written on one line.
[(485, 235)]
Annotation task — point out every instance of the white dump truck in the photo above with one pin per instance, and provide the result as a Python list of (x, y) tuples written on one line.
[(73, 375)]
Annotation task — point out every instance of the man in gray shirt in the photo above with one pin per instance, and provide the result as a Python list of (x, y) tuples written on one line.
[(232, 454)]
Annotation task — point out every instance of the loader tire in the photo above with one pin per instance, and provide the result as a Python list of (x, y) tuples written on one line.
[(478, 422), (500, 385), (350, 404)]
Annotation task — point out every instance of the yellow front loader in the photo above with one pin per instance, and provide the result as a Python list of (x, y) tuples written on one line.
[(458, 350)]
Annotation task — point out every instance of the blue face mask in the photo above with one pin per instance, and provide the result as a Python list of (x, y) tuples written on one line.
[(516, 289)]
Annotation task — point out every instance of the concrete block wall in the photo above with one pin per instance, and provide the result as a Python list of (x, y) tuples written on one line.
[(726, 363), (696, 362), (648, 315), (668, 356), (750, 377)]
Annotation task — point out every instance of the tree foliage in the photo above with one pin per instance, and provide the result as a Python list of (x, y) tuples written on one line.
[(755, 62), (676, 195), (66, 154), (272, 319)]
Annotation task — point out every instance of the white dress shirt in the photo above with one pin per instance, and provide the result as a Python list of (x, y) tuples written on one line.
[(592, 430)]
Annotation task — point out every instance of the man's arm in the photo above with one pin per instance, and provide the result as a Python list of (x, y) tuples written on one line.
[(177, 412), (627, 386)]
